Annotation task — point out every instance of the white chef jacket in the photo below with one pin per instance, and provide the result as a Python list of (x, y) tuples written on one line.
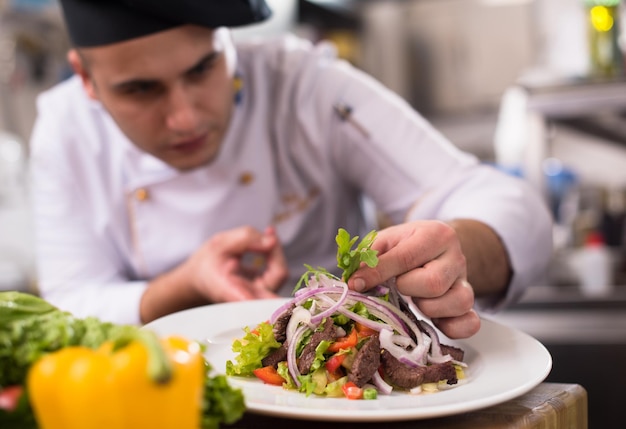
[(109, 217)]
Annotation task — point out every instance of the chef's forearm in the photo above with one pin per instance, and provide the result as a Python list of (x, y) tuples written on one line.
[(488, 266), (167, 294)]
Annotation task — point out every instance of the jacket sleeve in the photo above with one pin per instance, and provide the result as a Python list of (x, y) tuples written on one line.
[(78, 268)]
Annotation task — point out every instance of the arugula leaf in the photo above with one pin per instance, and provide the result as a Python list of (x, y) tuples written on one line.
[(316, 272), (349, 259)]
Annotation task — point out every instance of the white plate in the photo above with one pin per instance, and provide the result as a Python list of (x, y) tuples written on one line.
[(503, 364)]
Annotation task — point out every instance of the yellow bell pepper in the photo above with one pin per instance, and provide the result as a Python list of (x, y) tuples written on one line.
[(135, 382)]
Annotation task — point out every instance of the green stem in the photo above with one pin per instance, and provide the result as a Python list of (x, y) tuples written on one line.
[(159, 366)]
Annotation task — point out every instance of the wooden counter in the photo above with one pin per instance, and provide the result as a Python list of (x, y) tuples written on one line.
[(548, 406)]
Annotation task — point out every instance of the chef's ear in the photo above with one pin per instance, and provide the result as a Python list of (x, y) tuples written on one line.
[(81, 68)]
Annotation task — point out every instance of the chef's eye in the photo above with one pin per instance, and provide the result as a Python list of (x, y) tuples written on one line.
[(203, 67), (140, 88), (198, 70)]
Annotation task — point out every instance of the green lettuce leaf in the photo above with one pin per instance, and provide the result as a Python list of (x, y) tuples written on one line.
[(251, 349)]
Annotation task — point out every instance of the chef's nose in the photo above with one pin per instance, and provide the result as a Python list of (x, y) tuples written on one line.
[(181, 115)]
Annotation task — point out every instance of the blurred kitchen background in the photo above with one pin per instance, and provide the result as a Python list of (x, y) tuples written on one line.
[(535, 87)]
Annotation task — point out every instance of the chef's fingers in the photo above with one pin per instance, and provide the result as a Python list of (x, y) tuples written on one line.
[(459, 327), (242, 239), (458, 300), (276, 270), (403, 248), (434, 278), (262, 293), (231, 285)]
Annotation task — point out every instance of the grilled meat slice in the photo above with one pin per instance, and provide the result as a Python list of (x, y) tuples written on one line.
[(280, 326), (455, 352), (366, 362), (329, 333), (407, 377), (278, 355)]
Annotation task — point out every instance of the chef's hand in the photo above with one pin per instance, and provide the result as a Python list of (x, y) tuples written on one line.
[(429, 266), (217, 272), (239, 264)]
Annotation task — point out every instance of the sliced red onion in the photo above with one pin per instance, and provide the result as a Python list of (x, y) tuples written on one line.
[(372, 324), (333, 308), (403, 341), (435, 348), (309, 293), (435, 353), (439, 359), (299, 316), (404, 318), (377, 309), (280, 311), (408, 361), (382, 386), (412, 357), (292, 363)]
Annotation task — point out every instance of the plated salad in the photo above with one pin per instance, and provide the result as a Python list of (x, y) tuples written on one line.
[(331, 341)]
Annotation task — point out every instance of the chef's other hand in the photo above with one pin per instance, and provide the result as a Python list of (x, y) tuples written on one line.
[(225, 268), (238, 264), (429, 266)]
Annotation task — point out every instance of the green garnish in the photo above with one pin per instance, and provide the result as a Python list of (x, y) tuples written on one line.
[(348, 259)]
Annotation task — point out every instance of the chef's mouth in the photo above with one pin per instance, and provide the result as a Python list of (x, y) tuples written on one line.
[(190, 145)]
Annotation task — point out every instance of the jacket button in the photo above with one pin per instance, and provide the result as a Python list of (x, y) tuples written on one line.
[(246, 178), (142, 194)]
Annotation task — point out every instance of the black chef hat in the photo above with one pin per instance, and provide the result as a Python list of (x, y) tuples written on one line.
[(100, 22)]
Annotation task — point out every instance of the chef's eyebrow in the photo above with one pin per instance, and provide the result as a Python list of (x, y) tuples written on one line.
[(200, 65), (204, 61)]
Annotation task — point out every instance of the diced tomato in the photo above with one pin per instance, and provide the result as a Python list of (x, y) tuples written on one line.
[(364, 331), (9, 397), (334, 362), (352, 391), (344, 342), (269, 375)]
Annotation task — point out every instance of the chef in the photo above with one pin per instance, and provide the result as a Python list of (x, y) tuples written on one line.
[(176, 169)]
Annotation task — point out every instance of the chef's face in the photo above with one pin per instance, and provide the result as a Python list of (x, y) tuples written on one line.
[(171, 93)]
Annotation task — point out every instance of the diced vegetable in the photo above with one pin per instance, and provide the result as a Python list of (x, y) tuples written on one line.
[(269, 375), (352, 391), (370, 393), (335, 389), (344, 342), (364, 330), (320, 379), (334, 362)]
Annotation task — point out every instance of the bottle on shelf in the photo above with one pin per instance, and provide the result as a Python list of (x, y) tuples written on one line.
[(594, 266)]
